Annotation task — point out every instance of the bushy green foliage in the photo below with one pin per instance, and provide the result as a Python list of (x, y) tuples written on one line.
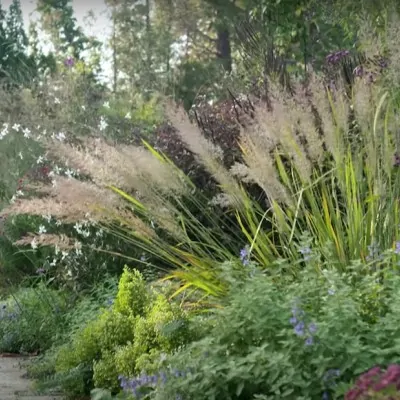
[(129, 336), (31, 319), (283, 342), (133, 295)]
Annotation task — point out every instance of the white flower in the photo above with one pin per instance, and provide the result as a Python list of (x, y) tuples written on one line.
[(64, 254), (16, 127), (57, 100), (42, 229), (58, 223), (19, 193), (47, 217), (39, 160), (83, 107), (128, 115), (103, 124), (69, 173), (106, 104), (27, 133), (12, 200), (20, 155), (34, 244), (53, 263), (61, 136)]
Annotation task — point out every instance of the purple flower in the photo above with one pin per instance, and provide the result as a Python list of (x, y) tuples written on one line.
[(397, 249), (331, 291), (309, 341), (40, 271), (335, 57), (69, 61), (299, 328), (312, 328), (245, 256)]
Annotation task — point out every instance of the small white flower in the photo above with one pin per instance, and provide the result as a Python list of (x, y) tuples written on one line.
[(42, 229), (103, 124), (40, 160), (128, 115), (58, 223), (83, 107), (13, 198), (20, 155), (47, 217), (106, 104), (64, 254), (69, 173), (34, 244), (19, 193), (53, 263), (16, 127), (53, 183), (57, 100), (61, 136), (57, 170), (27, 133)]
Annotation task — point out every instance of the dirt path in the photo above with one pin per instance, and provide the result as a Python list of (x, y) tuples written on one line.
[(13, 385)]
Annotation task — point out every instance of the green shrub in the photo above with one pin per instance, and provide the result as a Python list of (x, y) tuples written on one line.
[(133, 295), (163, 329), (104, 375), (131, 336), (31, 319), (284, 342)]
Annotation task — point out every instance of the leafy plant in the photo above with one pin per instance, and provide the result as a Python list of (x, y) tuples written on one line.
[(302, 339), (31, 319)]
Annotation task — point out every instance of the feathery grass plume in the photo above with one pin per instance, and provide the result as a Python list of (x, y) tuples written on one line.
[(62, 242), (323, 113), (207, 154), (259, 166), (94, 157), (393, 49), (68, 199)]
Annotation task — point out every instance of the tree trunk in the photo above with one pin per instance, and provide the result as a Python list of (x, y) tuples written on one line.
[(224, 52)]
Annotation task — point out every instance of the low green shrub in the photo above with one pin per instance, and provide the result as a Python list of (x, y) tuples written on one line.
[(31, 319), (306, 339), (129, 336)]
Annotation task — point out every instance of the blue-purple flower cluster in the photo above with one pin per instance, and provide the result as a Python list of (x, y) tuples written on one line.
[(139, 386), (245, 256), (300, 327)]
